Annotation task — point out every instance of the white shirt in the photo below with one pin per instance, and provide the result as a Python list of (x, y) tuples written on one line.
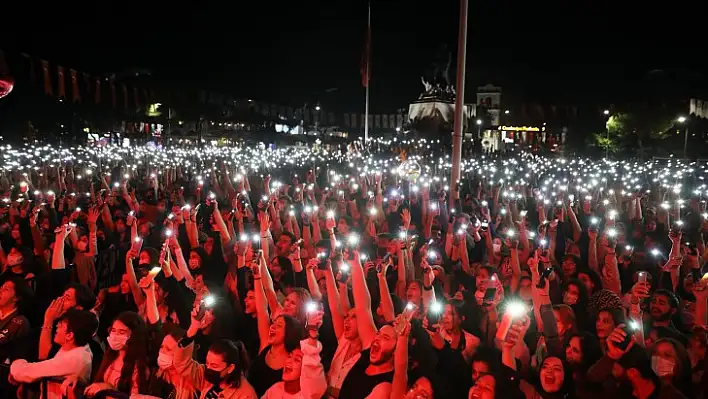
[(339, 368), (74, 362), (313, 383)]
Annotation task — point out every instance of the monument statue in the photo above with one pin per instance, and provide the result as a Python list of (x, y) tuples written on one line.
[(433, 113), (436, 80)]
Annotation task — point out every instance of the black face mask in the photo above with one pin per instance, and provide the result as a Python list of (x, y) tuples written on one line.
[(212, 376)]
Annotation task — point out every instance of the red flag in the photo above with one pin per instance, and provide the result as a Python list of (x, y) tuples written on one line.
[(366, 56)]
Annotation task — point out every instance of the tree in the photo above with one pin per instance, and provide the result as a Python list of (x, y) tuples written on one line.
[(615, 133), (637, 128)]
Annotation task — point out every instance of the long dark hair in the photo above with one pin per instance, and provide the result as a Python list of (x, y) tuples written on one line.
[(589, 347), (135, 355), (233, 353), (294, 333), (683, 372)]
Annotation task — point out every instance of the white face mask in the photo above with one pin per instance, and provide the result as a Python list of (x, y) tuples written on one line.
[(165, 360), (662, 367), (117, 342)]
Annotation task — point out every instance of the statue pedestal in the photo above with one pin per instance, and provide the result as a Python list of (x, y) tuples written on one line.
[(433, 115)]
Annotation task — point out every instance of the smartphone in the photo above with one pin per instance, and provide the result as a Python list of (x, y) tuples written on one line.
[(434, 314), (154, 272), (205, 305), (642, 277), (344, 272), (491, 290), (514, 310), (137, 245), (410, 310), (322, 257), (630, 328)]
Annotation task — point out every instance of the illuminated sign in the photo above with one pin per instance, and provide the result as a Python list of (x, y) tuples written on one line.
[(520, 128)]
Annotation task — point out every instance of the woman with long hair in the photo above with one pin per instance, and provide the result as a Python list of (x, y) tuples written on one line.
[(124, 367), (671, 363), (277, 339), (168, 381), (223, 374)]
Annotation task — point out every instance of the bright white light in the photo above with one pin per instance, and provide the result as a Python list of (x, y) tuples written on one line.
[(436, 307), (209, 300), (516, 309)]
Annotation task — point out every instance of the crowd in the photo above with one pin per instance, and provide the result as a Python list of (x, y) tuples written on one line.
[(306, 273)]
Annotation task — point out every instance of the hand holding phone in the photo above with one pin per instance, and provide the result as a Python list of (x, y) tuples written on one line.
[(205, 304)]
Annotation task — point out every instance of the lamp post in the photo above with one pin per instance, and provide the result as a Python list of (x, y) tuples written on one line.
[(607, 133), (459, 98), (682, 120)]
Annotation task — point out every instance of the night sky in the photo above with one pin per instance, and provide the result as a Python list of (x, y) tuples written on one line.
[(294, 51)]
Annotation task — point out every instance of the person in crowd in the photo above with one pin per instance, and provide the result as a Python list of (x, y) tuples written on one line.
[(303, 373), (75, 329), (125, 365), (223, 375), (349, 274)]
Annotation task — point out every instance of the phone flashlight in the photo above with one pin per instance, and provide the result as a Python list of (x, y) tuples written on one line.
[(436, 307), (311, 307)]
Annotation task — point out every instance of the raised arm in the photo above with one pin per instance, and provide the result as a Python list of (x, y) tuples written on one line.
[(262, 315), (362, 303)]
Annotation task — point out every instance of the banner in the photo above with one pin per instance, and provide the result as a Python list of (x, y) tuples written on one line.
[(114, 99), (61, 88), (125, 95), (75, 95), (97, 91), (136, 98), (47, 78)]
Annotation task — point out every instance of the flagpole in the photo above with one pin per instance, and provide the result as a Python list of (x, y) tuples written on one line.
[(459, 98), (368, 62)]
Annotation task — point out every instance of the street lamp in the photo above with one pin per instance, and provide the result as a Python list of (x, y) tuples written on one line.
[(479, 121), (682, 120), (506, 112), (606, 112), (317, 108)]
